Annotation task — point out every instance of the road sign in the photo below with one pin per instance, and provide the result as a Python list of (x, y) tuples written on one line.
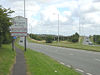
[(19, 27), (20, 34), (14, 37)]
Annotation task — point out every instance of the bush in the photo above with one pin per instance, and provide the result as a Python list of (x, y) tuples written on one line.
[(36, 37), (96, 39), (74, 38), (8, 38), (49, 39), (5, 23), (1, 39)]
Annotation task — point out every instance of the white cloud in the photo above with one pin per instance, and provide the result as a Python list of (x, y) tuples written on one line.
[(43, 14), (51, 13), (93, 17)]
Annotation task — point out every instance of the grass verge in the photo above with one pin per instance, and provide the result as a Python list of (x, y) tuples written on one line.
[(41, 64), (7, 57), (67, 44)]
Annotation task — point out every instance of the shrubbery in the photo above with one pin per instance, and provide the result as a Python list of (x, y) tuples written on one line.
[(4, 25), (49, 39), (74, 38), (36, 37), (96, 39)]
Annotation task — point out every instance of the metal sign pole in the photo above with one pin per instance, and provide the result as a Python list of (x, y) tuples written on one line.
[(25, 43), (12, 44), (58, 28), (25, 36)]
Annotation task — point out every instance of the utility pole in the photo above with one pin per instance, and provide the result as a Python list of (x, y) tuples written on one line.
[(31, 32), (25, 36), (58, 28), (79, 23)]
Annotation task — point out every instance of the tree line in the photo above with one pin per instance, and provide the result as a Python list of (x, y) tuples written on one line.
[(50, 38), (96, 39), (5, 23)]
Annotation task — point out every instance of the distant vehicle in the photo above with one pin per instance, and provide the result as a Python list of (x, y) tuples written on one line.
[(21, 40), (86, 37), (90, 43), (87, 41)]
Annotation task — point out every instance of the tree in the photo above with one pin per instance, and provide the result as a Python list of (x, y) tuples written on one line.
[(49, 39), (74, 38), (4, 25), (96, 39)]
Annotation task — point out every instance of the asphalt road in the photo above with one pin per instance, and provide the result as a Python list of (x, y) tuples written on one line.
[(86, 62)]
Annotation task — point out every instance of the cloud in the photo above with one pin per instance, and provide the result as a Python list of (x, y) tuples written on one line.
[(43, 14), (96, 0)]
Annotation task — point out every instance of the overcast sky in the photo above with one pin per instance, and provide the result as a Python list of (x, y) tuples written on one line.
[(43, 15)]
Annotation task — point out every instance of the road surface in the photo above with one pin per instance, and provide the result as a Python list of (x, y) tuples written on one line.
[(86, 62)]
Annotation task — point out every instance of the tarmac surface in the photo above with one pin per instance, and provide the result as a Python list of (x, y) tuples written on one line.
[(19, 67)]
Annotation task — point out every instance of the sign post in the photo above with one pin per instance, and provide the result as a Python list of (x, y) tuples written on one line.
[(13, 40), (19, 28), (25, 36), (12, 44)]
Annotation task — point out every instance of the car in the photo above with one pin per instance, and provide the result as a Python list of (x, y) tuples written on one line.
[(21, 40), (90, 43)]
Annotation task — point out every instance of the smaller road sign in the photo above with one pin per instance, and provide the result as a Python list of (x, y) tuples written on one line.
[(14, 37)]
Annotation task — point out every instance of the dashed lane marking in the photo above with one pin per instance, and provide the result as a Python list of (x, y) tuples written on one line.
[(68, 66), (97, 59), (88, 73), (62, 63), (71, 54), (79, 70)]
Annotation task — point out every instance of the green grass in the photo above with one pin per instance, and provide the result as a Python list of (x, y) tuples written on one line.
[(78, 46), (67, 44), (91, 39), (41, 64), (7, 57), (81, 39), (35, 41)]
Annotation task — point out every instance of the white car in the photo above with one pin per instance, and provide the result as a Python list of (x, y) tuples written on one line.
[(90, 43)]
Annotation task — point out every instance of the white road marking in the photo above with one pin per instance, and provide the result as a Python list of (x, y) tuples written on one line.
[(71, 54), (97, 59), (68, 66), (94, 53), (88, 73), (62, 63), (79, 70)]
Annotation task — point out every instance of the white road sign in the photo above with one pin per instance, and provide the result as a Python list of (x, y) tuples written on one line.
[(19, 27), (19, 34)]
